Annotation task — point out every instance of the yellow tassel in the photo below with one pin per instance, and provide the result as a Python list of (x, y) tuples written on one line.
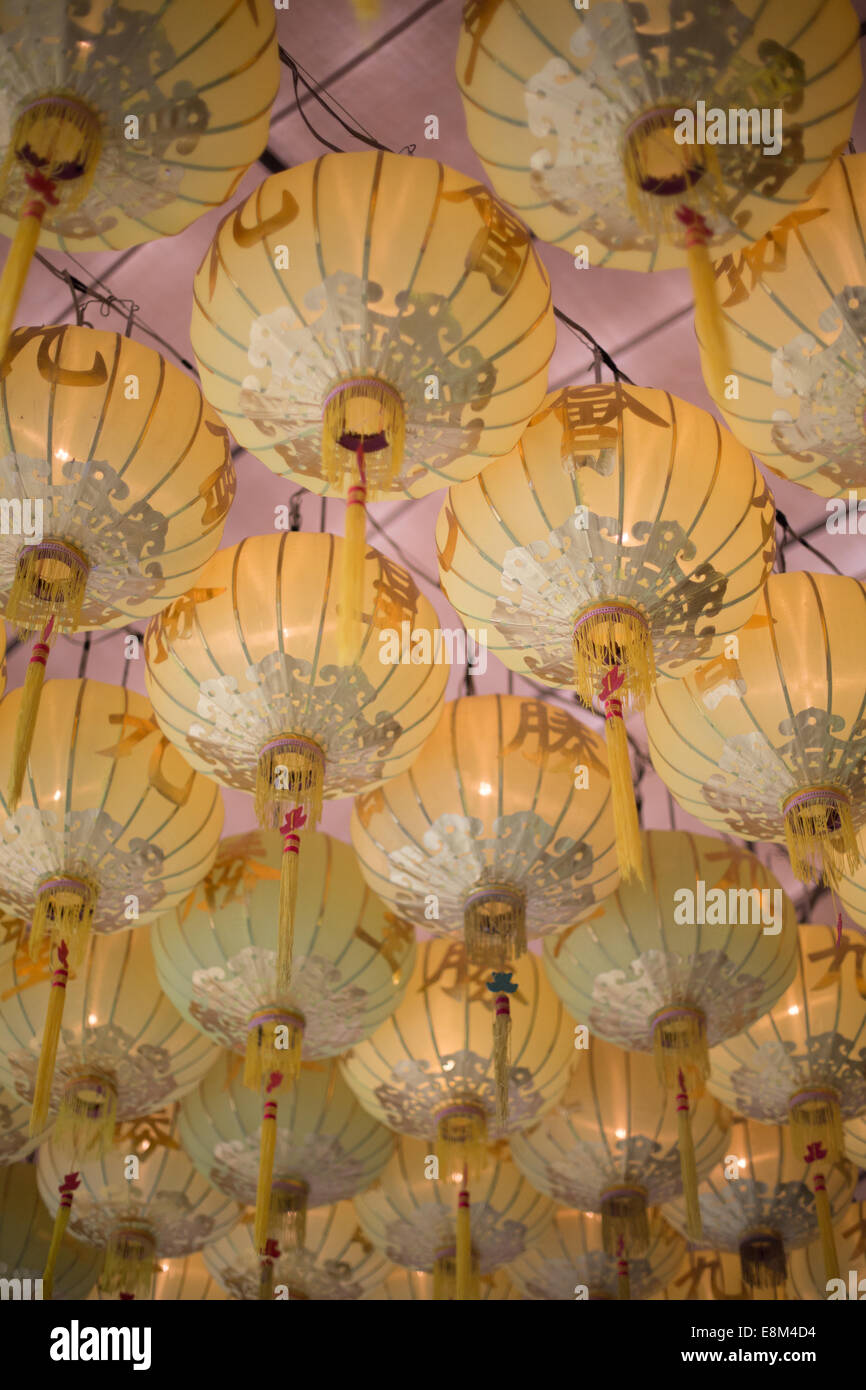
[(25, 725), (85, 1122), (815, 1118), (688, 1165), (50, 583), (445, 1275), (363, 415), (623, 1280), (61, 1221), (680, 1046), (463, 1290), (461, 1137), (267, 1150), (709, 323), (267, 1062), (21, 253), (366, 10), (494, 925), (291, 833), (64, 910), (289, 1200), (629, 846), (130, 1261), (502, 1057), (50, 1039), (352, 576), (820, 835), (762, 1261), (624, 1218), (825, 1226), (290, 773), (266, 1269), (608, 635)]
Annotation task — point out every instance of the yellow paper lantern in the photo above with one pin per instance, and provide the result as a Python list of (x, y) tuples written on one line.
[(570, 1261), (118, 480), (113, 827), (400, 1285), (625, 534), (336, 1264), (769, 742), (326, 1148), (372, 325), (216, 958), (614, 1146), (409, 1215), (631, 138), (679, 965), (25, 1235), (851, 889), (124, 124), (793, 305), (769, 1208), (166, 1211), (245, 678), (182, 1280)]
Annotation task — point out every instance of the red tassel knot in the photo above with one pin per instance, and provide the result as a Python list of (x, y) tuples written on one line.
[(294, 822), (697, 231), (613, 681)]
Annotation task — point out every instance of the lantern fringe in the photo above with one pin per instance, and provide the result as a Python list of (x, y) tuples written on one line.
[(613, 634), (64, 909), (688, 1164), (502, 1056), (762, 1261), (50, 582), (463, 1290), (820, 835), (494, 925), (352, 572), (289, 1202), (61, 1221), (445, 1276), (264, 1060), (85, 1122), (50, 1039), (815, 1117), (680, 1047), (290, 773), (629, 847), (130, 1262), (359, 412), (461, 1137), (825, 1226), (25, 725), (267, 1152), (623, 1278), (624, 1218)]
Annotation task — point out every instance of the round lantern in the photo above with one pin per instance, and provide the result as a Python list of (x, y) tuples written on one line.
[(336, 1264), (769, 742), (762, 1202), (802, 1061), (570, 1261), (162, 1211), (618, 1145), (588, 122), (625, 534), (245, 679), (185, 1279), (680, 965), (400, 1285), (409, 1215), (372, 325), (325, 1147), (119, 478), (794, 303), (124, 124), (113, 827), (216, 958), (500, 831), (25, 1235), (852, 886)]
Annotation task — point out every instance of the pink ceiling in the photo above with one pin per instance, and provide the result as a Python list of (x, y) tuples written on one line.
[(389, 77)]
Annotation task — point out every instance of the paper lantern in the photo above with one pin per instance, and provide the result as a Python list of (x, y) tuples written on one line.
[(851, 888), (769, 1208), (16, 1141), (802, 1061), (569, 1261), (807, 1277), (245, 679), (617, 1145), (626, 533), (166, 1211), (630, 137), (113, 827), (409, 1215), (372, 325), (326, 1148), (401, 1285), (118, 479), (427, 1072), (680, 965), (337, 1263), (216, 958), (183, 1280), (25, 1234), (125, 124), (769, 742), (793, 304)]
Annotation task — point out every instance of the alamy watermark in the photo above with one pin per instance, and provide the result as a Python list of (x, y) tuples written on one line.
[(422, 647), (757, 907), (19, 518), (737, 126)]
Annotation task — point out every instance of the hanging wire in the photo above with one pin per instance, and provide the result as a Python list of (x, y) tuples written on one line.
[(594, 346), (789, 531), (85, 653), (299, 79), (295, 510)]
